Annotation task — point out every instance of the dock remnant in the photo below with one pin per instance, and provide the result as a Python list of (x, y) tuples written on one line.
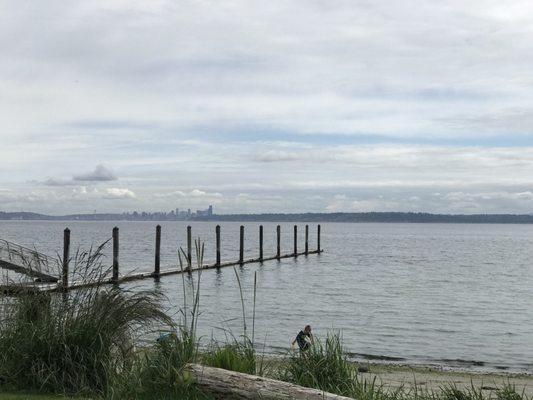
[(189, 247), (260, 242), (278, 241), (296, 240), (241, 244), (28, 262), (115, 277), (306, 239), (58, 280), (217, 240), (318, 238), (66, 258), (157, 260)]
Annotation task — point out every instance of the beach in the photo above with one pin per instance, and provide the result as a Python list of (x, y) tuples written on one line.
[(429, 378)]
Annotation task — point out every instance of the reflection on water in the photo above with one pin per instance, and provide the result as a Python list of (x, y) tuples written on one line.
[(453, 295)]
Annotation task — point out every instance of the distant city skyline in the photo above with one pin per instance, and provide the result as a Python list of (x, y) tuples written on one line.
[(272, 106)]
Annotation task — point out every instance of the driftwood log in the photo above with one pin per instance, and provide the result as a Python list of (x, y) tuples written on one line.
[(237, 385)]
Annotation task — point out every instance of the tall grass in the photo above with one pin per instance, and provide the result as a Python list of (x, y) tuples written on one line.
[(73, 343), (158, 372), (323, 366), (240, 354), (237, 356)]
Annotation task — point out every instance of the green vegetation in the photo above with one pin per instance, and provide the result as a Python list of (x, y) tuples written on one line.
[(29, 396), (239, 357), (158, 373), (323, 366), (82, 344), (71, 346)]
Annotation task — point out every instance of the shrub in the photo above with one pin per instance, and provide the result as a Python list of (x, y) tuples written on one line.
[(72, 342)]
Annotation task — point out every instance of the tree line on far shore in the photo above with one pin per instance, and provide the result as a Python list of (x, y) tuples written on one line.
[(382, 217)]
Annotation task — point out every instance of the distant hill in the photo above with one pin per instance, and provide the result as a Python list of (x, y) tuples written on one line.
[(303, 217), (24, 215), (381, 217)]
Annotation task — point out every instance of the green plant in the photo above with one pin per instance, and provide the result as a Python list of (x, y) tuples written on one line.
[(159, 371), (323, 366), (451, 392), (239, 357), (508, 392), (72, 343)]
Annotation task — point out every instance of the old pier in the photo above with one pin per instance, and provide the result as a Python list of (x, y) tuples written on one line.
[(54, 274)]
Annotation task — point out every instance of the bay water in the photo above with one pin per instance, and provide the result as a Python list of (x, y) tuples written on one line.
[(448, 295)]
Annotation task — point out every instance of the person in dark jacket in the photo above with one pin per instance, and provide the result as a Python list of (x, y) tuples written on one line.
[(304, 338)]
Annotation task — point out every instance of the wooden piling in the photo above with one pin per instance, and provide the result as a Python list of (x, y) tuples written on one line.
[(241, 245), (217, 234), (261, 242), (64, 285), (278, 242), (295, 240), (66, 258), (157, 261), (306, 239), (318, 238), (115, 254), (189, 247)]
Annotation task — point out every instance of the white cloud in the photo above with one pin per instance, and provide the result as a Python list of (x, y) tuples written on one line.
[(347, 67), (119, 193), (488, 196), (288, 103), (194, 193)]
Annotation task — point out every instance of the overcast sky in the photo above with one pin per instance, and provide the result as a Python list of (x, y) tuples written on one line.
[(266, 106)]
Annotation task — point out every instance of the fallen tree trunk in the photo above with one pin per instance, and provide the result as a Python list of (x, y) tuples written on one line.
[(243, 386)]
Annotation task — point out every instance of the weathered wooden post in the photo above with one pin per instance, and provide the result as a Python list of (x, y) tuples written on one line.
[(260, 242), (189, 247), (278, 240), (66, 258), (295, 240), (306, 239), (241, 245), (157, 261), (318, 238), (115, 255), (217, 234)]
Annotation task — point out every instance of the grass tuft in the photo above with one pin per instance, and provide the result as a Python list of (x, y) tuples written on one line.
[(238, 357), (72, 342)]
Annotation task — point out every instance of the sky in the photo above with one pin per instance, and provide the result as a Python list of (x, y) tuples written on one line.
[(266, 106)]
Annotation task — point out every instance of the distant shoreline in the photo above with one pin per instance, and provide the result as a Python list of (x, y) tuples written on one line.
[(368, 217)]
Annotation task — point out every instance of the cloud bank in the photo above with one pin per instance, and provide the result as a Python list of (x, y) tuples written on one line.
[(266, 106)]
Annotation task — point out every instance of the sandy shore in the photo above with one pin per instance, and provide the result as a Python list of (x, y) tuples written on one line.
[(394, 376), (433, 378)]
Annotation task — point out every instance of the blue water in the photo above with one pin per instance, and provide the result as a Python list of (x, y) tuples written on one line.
[(453, 295)]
